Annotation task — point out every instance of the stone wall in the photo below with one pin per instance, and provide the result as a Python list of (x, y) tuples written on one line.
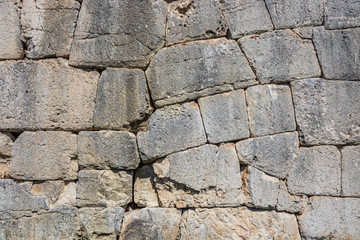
[(188, 119)]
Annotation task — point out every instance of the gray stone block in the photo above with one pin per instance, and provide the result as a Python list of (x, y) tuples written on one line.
[(350, 171), (144, 187), (290, 203), (6, 143), (342, 14)]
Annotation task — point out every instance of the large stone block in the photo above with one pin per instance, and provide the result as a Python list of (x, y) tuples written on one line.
[(118, 33), (270, 109), (327, 112), (280, 56), (350, 171), (342, 14), (46, 94), (171, 129), (122, 99), (108, 150), (144, 187), (188, 71), (44, 156), (225, 117)]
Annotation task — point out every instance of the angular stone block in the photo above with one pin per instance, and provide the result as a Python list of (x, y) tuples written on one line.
[(342, 14), (144, 187), (122, 99), (108, 150), (290, 203), (271, 154), (6, 143), (280, 56), (188, 71), (224, 116), (44, 156), (46, 94), (118, 33), (189, 20), (270, 109), (350, 171), (316, 171), (171, 129), (327, 112)]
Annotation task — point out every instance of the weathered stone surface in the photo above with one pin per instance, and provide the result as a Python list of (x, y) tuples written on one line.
[(118, 33), (10, 38), (144, 187), (108, 149), (342, 14), (331, 218), (171, 129), (151, 223), (270, 109), (187, 71), (237, 223), (46, 94), (327, 112), (189, 20), (206, 176), (246, 17), (350, 171), (280, 56), (271, 154), (304, 32), (101, 223), (44, 156), (316, 171), (290, 13), (48, 27), (289, 203), (104, 188), (122, 99), (6, 143), (4, 168), (224, 116), (339, 52)]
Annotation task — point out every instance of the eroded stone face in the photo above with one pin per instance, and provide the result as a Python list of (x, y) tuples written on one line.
[(350, 171), (144, 187), (342, 14)]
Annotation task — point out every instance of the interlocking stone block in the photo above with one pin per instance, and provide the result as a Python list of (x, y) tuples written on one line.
[(342, 14), (6, 143), (351, 171), (144, 187)]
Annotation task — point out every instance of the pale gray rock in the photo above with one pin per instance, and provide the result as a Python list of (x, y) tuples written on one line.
[(327, 112), (171, 129), (280, 56), (339, 52), (271, 154), (22, 229), (6, 143), (304, 32), (122, 99), (194, 19), (331, 218), (44, 156), (290, 203), (224, 116), (118, 33), (46, 94), (144, 187), (104, 188), (342, 14), (187, 71), (107, 150), (151, 223), (270, 109), (316, 171), (246, 17), (350, 171)]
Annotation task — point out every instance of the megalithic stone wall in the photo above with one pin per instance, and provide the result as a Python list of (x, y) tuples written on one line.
[(179, 119)]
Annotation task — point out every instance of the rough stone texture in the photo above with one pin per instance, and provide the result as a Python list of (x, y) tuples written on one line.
[(6, 143), (118, 33), (237, 223), (339, 52), (206, 176), (122, 99), (108, 149), (48, 27), (10, 38), (224, 116), (187, 71), (271, 154), (171, 129), (46, 94), (350, 171), (342, 14), (44, 156), (151, 223), (316, 171), (194, 19), (270, 109), (304, 32), (280, 56), (327, 112), (289, 203), (290, 13), (331, 218), (246, 17), (144, 187), (104, 188)]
